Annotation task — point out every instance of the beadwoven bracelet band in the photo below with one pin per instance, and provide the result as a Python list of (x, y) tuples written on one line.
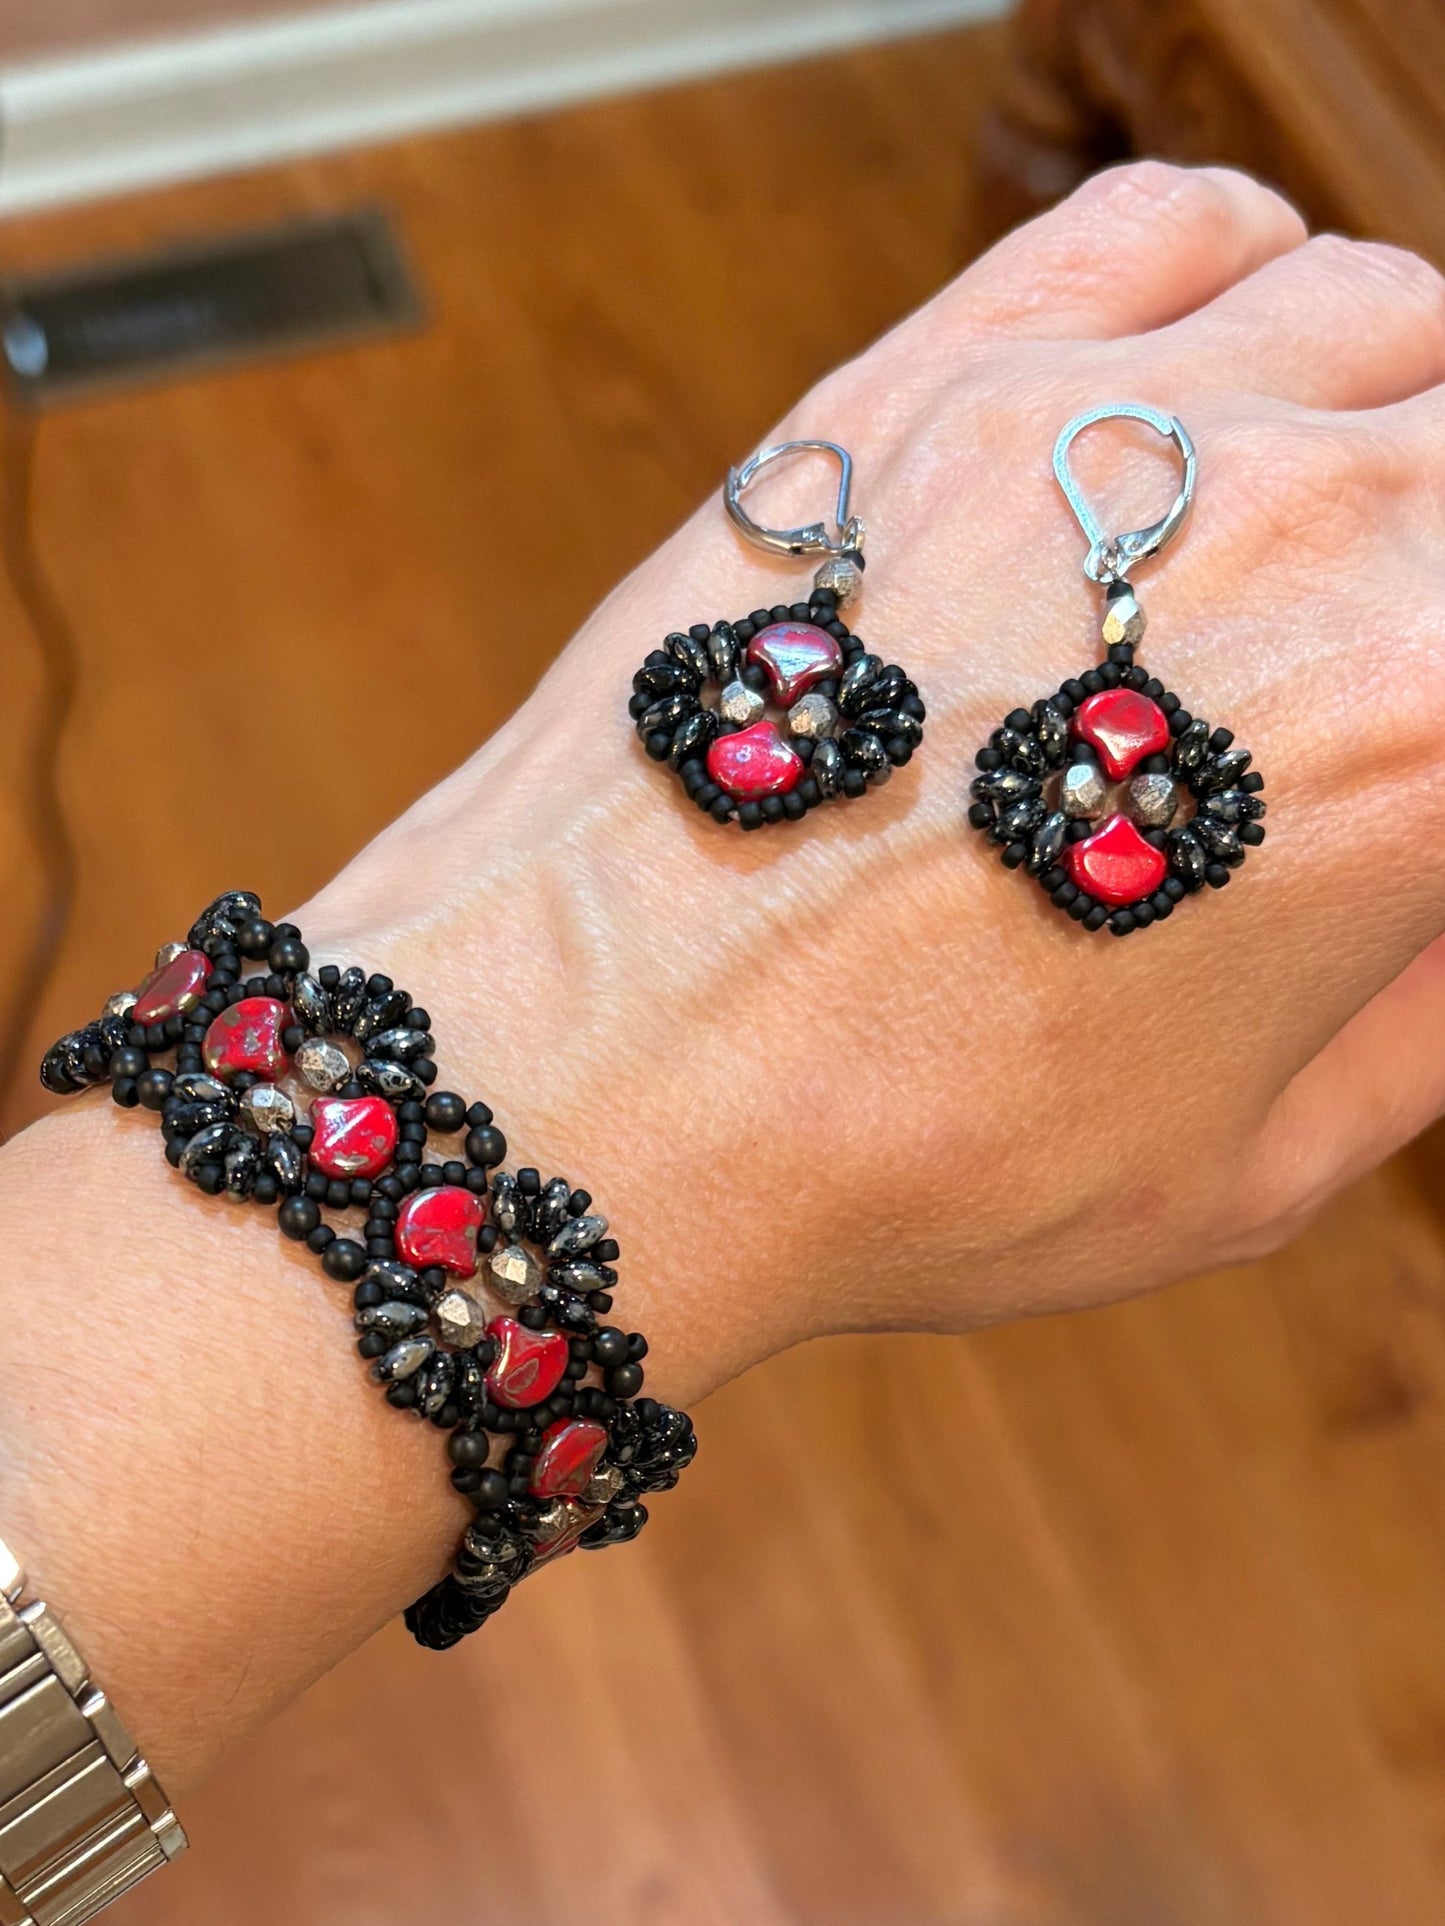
[(480, 1296)]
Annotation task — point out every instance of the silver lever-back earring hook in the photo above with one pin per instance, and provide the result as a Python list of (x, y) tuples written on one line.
[(1111, 557), (814, 538)]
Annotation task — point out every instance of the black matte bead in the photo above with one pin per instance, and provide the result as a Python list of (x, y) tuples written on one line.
[(298, 1217)]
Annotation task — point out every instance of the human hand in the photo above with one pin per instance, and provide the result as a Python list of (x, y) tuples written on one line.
[(850, 1074)]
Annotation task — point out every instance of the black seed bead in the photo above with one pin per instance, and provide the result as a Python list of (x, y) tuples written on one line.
[(430, 1177), (1179, 721), (486, 1146), (454, 1172), (855, 783), (320, 1240), (298, 1217), (1143, 914), (478, 1182), (153, 1088), (1174, 889), (292, 1038), (479, 1113), (609, 1347), (275, 986), (750, 816), (1135, 678), (372, 1344), (533, 1316), (1097, 917), (1220, 741), (1121, 922), (469, 1448), (605, 1252), (1252, 833), (466, 1481), (1091, 682), (529, 1181), (123, 1092), (1216, 875), (600, 1302), (1065, 893), (402, 1395), (1252, 783), (265, 1190), (128, 1062), (772, 808), (980, 815), (345, 1260), (254, 938), (288, 956), (338, 1193), (328, 976), (1015, 856)]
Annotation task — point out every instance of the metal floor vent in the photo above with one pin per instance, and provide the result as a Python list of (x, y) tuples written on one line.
[(307, 285)]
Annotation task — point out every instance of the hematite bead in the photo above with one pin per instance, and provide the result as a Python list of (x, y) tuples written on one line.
[(515, 1274), (323, 1064), (1153, 800), (460, 1319), (265, 1108)]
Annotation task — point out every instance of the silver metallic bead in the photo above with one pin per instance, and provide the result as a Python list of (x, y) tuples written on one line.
[(1153, 801), (324, 1065), (554, 1521), (740, 704), (121, 1004), (516, 1275), (460, 1320), (842, 575), (265, 1109), (1083, 792), (603, 1486), (814, 716), (167, 953), (1123, 621)]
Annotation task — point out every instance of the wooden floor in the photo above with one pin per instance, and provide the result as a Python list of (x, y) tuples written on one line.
[(1136, 1618)]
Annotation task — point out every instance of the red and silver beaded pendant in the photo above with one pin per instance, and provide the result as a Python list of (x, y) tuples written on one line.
[(766, 717), (1110, 793)]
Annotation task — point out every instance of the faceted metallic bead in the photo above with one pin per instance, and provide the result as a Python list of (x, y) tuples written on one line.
[(722, 652), (167, 954), (827, 768), (578, 1234), (308, 1000), (842, 575), (404, 1358), (812, 716), (603, 1486), (121, 1004), (1123, 620), (1083, 792), (264, 1108), (1153, 801), (516, 1276), (323, 1064), (740, 704), (460, 1320), (553, 1523)]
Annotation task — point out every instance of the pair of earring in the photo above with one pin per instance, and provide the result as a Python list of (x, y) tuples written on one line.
[(1109, 793)]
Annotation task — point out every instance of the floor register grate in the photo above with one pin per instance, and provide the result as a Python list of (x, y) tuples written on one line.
[(311, 284)]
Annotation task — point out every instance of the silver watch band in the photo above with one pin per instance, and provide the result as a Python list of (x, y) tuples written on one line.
[(82, 1818)]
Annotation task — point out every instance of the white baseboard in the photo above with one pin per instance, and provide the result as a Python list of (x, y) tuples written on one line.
[(212, 102)]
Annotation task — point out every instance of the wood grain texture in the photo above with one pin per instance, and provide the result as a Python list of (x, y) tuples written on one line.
[(1130, 1619), (1340, 102), (63, 26)]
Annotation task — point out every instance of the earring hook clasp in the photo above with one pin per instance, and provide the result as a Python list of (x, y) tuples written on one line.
[(1111, 557), (814, 538)]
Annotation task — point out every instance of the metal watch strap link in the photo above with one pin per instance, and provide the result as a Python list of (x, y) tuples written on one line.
[(82, 1818)]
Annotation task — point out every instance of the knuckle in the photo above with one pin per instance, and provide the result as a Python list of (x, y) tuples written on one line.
[(1146, 192)]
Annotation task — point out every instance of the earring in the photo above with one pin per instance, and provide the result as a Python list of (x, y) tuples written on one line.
[(766, 717), (1118, 800)]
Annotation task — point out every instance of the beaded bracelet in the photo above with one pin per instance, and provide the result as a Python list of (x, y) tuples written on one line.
[(311, 1094)]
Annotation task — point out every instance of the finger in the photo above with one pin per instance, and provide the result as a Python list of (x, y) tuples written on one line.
[(1130, 250), (1373, 1087), (1332, 324)]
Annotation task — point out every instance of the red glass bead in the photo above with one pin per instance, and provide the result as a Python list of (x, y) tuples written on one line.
[(1116, 865), (170, 991), (247, 1037), (796, 656), (571, 1451), (753, 763), (528, 1366), (1123, 727), (353, 1136), (440, 1227)]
